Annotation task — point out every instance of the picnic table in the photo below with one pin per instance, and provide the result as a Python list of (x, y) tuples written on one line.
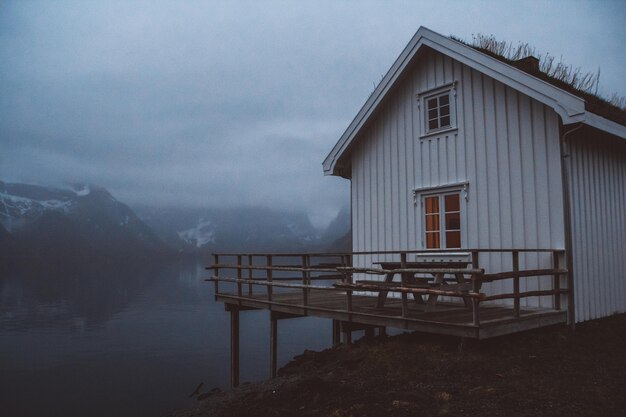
[(437, 281)]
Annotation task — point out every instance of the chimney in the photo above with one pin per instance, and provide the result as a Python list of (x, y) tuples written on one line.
[(528, 64)]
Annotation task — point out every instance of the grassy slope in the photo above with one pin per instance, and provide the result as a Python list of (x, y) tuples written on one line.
[(547, 372)]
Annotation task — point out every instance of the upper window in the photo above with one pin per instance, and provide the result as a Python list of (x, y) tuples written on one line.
[(438, 107), (442, 221), (438, 112)]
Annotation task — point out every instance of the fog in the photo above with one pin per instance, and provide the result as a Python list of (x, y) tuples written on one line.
[(235, 103)]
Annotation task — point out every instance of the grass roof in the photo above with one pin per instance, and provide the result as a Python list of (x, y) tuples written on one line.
[(559, 74)]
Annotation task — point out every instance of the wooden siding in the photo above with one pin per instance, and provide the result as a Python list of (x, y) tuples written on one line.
[(597, 174), (506, 146)]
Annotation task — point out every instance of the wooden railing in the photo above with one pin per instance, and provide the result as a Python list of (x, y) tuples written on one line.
[(338, 268)]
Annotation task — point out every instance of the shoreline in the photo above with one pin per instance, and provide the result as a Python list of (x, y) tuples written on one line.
[(549, 371)]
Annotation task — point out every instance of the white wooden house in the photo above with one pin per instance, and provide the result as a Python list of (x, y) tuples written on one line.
[(458, 149)]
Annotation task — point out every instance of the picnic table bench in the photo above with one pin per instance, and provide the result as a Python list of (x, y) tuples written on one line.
[(432, 281)]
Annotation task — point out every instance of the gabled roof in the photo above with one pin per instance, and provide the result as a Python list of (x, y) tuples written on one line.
[(570, 107)]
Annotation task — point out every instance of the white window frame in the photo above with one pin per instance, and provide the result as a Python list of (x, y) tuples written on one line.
[(420, 194), (424, 96)]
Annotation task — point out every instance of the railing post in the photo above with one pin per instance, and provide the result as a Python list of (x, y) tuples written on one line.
[(250, 274), (475, 301), (305, 280), (239, 276), (556, 279), (269, 278), (515, 255), (405, 308), (475, 260), (216, 273)]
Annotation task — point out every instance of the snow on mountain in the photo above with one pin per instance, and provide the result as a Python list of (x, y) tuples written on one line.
[(231, 229), (202, 234), (71, 222), (85, 190), (17, 210)]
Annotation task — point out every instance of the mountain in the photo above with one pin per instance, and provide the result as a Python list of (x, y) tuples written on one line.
[(82, 221), (232, 229), (338, 235), (86, 221)]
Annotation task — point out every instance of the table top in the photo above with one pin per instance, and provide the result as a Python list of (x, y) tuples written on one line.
[(428, 264)]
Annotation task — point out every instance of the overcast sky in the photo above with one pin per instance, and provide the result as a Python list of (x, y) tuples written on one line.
[(229, 103)]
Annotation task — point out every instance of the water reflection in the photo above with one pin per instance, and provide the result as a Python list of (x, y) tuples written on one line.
[(113, 340)]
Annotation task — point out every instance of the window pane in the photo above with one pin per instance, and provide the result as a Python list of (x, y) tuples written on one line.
[(432, 114), (445, 121), (453, 221), (432, 240), (445, 99), (452, 202), (453, 240), (445, 110), (432, 124), (432, 103), (432, 205), (432, 222)]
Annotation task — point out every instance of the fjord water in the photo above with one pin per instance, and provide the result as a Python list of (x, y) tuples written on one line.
[(122, 340)]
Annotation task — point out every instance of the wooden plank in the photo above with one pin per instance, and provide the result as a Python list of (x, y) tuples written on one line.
[(519, 325), (274, 268), (380, 271), (414, 290), (538, 293), (523, 274)]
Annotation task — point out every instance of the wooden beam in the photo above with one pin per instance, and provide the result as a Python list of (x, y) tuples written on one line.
[(516, 276), (234, 348), (523, 274), (273, 344), (556, 280), (336, 333)]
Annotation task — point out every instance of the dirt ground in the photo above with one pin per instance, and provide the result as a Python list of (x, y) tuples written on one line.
[(547, 372)]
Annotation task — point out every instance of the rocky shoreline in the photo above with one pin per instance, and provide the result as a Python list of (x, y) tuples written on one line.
[(547, 372)]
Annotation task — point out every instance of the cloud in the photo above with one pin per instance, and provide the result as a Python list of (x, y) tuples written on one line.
[(228, 103)]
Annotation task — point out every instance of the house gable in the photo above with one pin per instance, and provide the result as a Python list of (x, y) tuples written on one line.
[(569, 107)]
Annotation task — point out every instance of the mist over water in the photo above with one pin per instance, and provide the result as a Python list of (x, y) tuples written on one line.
[(124, 340)]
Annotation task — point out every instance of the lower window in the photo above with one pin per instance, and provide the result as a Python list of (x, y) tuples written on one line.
[(442, 221)]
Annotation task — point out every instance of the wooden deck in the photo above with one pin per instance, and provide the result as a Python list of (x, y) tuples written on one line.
[(323, 285), (447, 318)]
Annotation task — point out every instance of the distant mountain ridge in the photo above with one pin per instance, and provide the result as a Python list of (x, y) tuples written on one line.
[(71, 223), (232, 229), (86, 221)]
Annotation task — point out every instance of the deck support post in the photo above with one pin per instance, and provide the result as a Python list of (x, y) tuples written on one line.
[(336, 333), (369, 333), (382, 331), (347, 337), (234, 347), (273, 343)]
